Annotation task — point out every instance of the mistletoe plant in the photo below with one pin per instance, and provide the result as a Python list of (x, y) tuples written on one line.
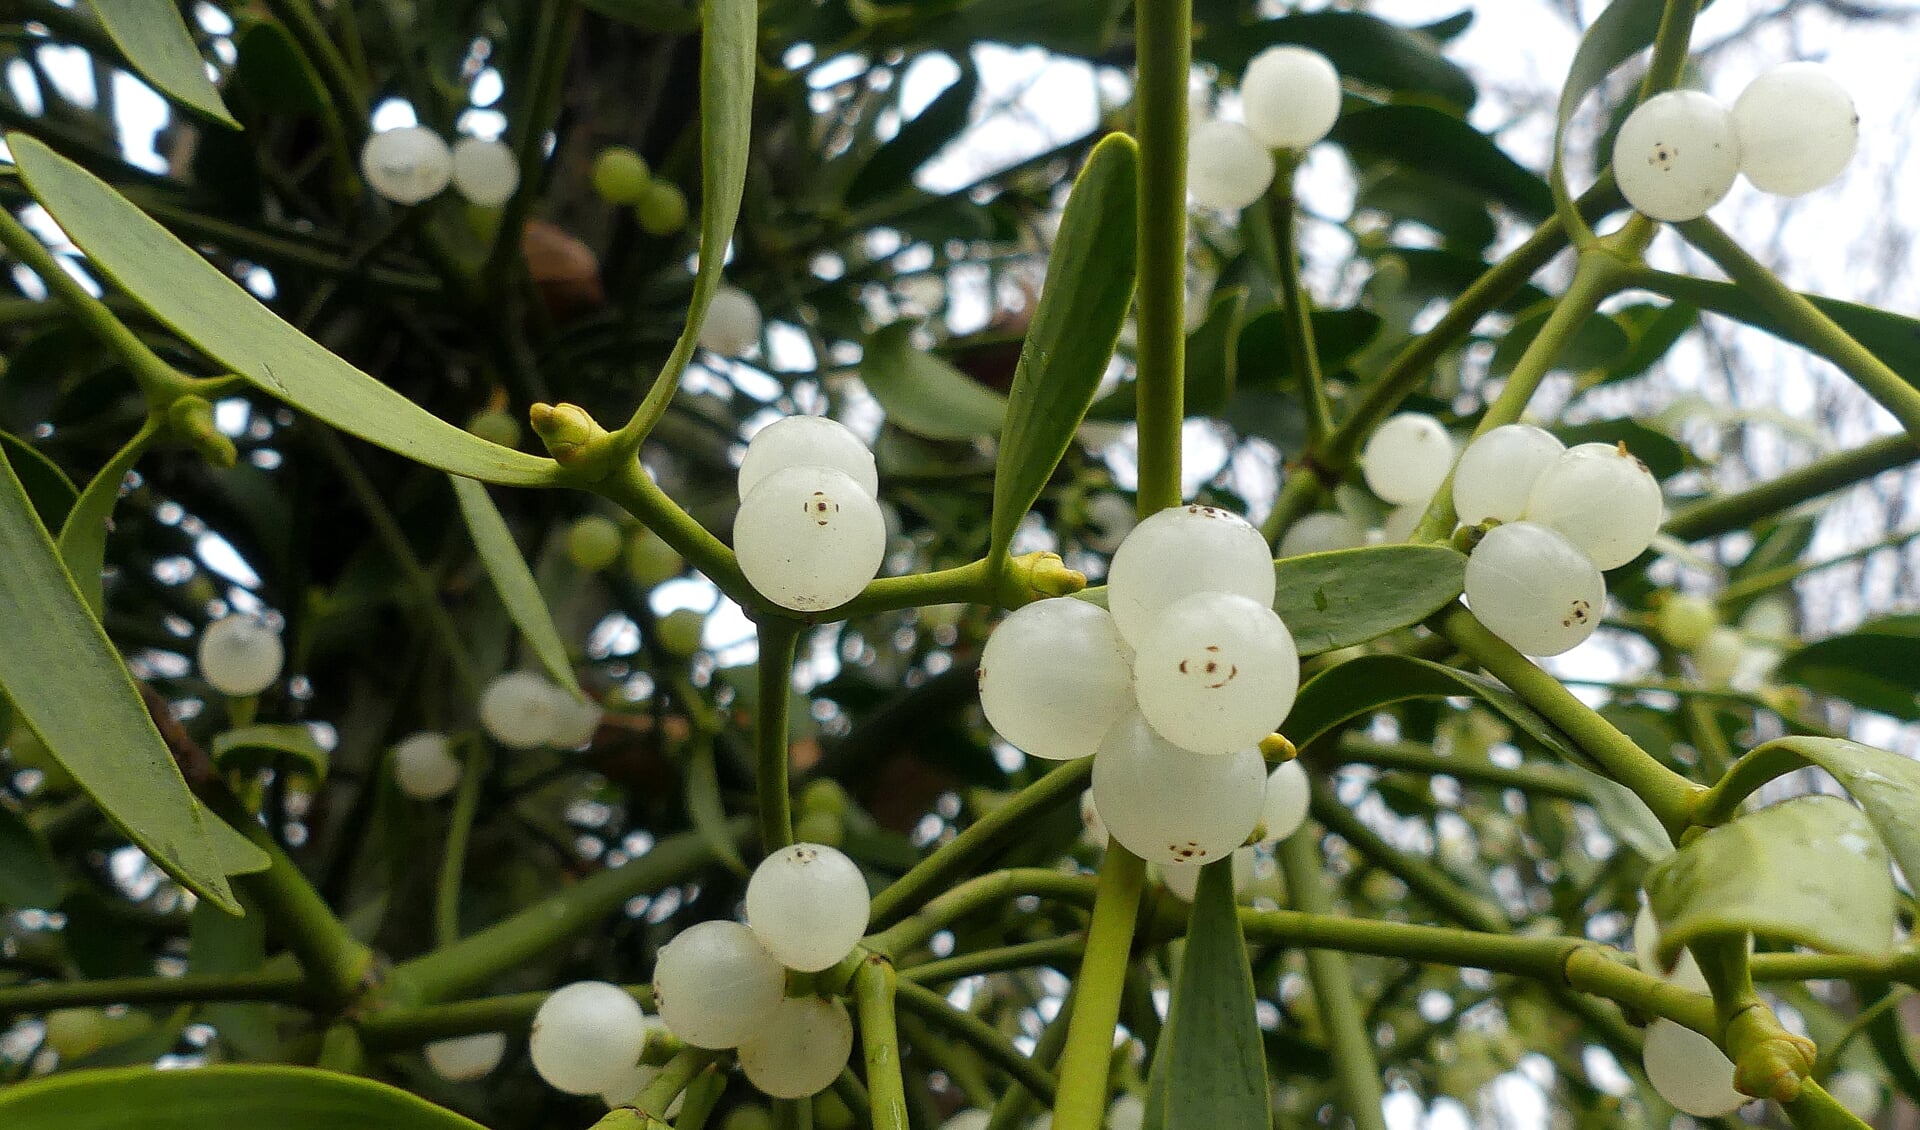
[(323, 786)]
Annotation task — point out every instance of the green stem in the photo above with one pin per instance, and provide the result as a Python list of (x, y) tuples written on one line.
[(392, 1027), (673, 1078), (453, 864), (1807, 323), (1537, 780), (1054, 952), (1082, 1101), (1163, 31), (874, 988), (288, 986), (994, 890), (1767, 580), (984, 1037), (1356, 1069), (1424, 879), (1667, 793), (633, 490), (1726, 513), (343, 117), (1298, 305), (987, 835), (778, 640), (558, 23)]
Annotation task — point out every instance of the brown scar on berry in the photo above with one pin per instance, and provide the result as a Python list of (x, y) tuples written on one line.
[(1663, 155), (1580, 613), (819, 506)]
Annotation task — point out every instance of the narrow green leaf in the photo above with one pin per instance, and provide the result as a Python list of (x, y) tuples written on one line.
[(199, 302), (519, 592), (54, 654), (272, 74), (1213, 354), (1808, 870), (893, 164), (1875, 666), (1361, 46), (29, 875), (1349, 596), (1215, 1061), (705, 808), (1626, 816), (924, 394), (1654, 330), (262, 747), (155, 39), (1361, 686), (1443, 145), (83, 539), (1076, 324), (1888, 1034), (47, 486), (199, 1097)]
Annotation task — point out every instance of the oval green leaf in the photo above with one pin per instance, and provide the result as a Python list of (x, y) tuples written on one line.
[(220, 318), (924, 394), (1361, 686), (1210, 1066), (1440, 144), (519, 592), (1349, 596), (196, 1098), (1075, 327), (29, 875), (263, 747), (1875, 666), (155, 39)]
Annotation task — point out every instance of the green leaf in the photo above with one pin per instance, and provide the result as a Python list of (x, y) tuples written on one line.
[(1265, 363), (199, 1097), (1070, 341), (1360, 46), (1654, 330), (893, 164), (155, 39), (199, 302), (1440, 144), (1215, 1062), (262, 747), (1597, 343), (47, 486), (83, 539), (273, 74), (1361, 686), (55, 654), (924, 394), (1875, 666), (29, 875), (1458, 214), (1213, 355), (664, 17), (1349, 596), (519, 592), (1808, 870), (1623, 30), (1626, 816), (706, 809)]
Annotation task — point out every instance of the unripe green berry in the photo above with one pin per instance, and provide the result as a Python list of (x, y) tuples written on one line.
[(593, 543), (824, 796), (820, 828), (650, 560), (749, 1118), (680, 631), (495, 426), (661, 209), (620, 176), (830, 1112), (1684, 621)]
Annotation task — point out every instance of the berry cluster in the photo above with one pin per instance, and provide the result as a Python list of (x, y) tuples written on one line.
[(1171, 688), (809, 534), (1290, 97), (522, 710), (413, 164), (1792, 130), (621, 176)]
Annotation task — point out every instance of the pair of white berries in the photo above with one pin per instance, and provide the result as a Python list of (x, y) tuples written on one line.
[(1290, 97), (1171, 688), (809, 534), (523, 710), (413, 164), (1792, 130)]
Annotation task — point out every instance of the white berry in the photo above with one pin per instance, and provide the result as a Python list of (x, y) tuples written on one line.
[(1676, 155), (1129, 1112), (1093, 830), (1797, 129), (1407, 458), (1497, 471), (1646, 944), (1601, 499), (1320, 533), (807, 441), (484, 171), (423, 768), (1534, 589), (1167, 805), (973, 1119), (800, 1049), (1291, 96), (1284, 807), (463, 1059), (1217, 673), (1227, 167), (586, 1036), (1181, 551), (809, 538), (1717, 656), (406, 165), (808, 904), (240, 656), (716, 985), (1690, 1071), (732, 326), (522, 710), (1402, 521), (1182, 880), (1054, 678)]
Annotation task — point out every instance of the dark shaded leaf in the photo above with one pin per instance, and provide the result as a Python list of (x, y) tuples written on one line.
[(1361, 686), (29, 875), (1440, 145), (519, 592), (893, 164), (1361, 46), (923, 393)]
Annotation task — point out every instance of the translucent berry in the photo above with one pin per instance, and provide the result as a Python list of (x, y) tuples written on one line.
[(1167, 805), (1601, 499), (484, 171), (574, 722), (1181, 551), (423, 768), (800, 1049), (1054, 678), (1402, 521), (620, 176), (1676, 155), (807, 441), (240, 656), (1291, 96), (586, 1036), (716, 985), (1227, 167), (1093, 830), (1534, 589), (522, 710), (732, 326), (463, 1059), (1717, 657), (1646, 943), (406, 165), (650, 560), (1797, 129), (809, 538), (593, 543), (629, 1086), (661, 209), (1217, 673), (1183, 879), (1285, 806), (1497, 471), (1319, 533), (808, 904), (1690, 1071), (1407, 458), (1684, 621)]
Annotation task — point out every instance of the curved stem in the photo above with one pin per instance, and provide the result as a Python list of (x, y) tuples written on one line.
[(632, 489), (453, 863), (984, 1037), (1082, 1101), (1537, 780), (281, 985), (1355, 1066), (994, 889), (1298, 305), (1055, 952), (874, 987), (778, 640)]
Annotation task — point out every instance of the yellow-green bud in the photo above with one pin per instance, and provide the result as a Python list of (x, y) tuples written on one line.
[(191, 419)]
